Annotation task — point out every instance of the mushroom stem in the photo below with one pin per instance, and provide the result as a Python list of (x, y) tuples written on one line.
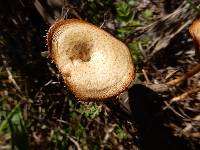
[(192, 72)]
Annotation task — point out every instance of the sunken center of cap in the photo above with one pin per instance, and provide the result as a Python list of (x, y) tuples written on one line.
[(81, 50)]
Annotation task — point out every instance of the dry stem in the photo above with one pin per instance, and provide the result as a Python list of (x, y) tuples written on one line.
[(192, 72), (185, 95)]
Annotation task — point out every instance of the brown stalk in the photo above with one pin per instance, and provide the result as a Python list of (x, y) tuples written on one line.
[(192, 72)]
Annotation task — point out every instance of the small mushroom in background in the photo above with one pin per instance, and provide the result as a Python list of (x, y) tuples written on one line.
[(94, 65), (195, 33)]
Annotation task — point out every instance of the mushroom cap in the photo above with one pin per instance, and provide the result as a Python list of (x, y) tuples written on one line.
[(194, 30), (93, 64)]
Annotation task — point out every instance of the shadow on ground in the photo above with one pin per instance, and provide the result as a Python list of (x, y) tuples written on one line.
[(145, 105)]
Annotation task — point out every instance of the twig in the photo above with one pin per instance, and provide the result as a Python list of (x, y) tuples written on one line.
[(171, 74), (146, 77), (106, 137), (170, 18), (62, 121), (6, 147), (10, 76), (40, 90), (67, 8), (185, 95), (189, 126), (197, 118), (172, 109), (164, 41), (43, 12), (75, 143), (192, 72)]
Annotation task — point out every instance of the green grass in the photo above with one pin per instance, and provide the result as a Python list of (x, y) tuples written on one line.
[(147, 14), (126, 18), (195, 7), (120, 133), (14, 124), (90, 111)]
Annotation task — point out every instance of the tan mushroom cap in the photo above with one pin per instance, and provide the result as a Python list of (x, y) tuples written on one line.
[(93, 64), (195, 33)]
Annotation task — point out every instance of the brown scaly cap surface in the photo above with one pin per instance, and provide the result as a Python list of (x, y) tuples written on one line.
[(195, 33), (93, 64)]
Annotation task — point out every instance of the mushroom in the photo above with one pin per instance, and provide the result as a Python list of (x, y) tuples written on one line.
[(194, 30), (94, 65), (195, 33)]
